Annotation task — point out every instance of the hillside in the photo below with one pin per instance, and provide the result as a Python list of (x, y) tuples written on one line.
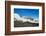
[(25, 24)]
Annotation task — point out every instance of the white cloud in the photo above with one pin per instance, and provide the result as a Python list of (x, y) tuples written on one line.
[(17, 17)]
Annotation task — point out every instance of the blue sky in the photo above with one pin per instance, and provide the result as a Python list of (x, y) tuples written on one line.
[(34, 13)]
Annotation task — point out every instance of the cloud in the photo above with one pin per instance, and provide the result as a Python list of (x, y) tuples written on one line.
[(17, 17)]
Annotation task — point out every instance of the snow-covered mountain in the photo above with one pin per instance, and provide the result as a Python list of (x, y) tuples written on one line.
[(28, 17), (24, 18)]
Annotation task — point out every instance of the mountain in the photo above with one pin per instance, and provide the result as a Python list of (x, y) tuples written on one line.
[(28, 17), (17, 17)]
